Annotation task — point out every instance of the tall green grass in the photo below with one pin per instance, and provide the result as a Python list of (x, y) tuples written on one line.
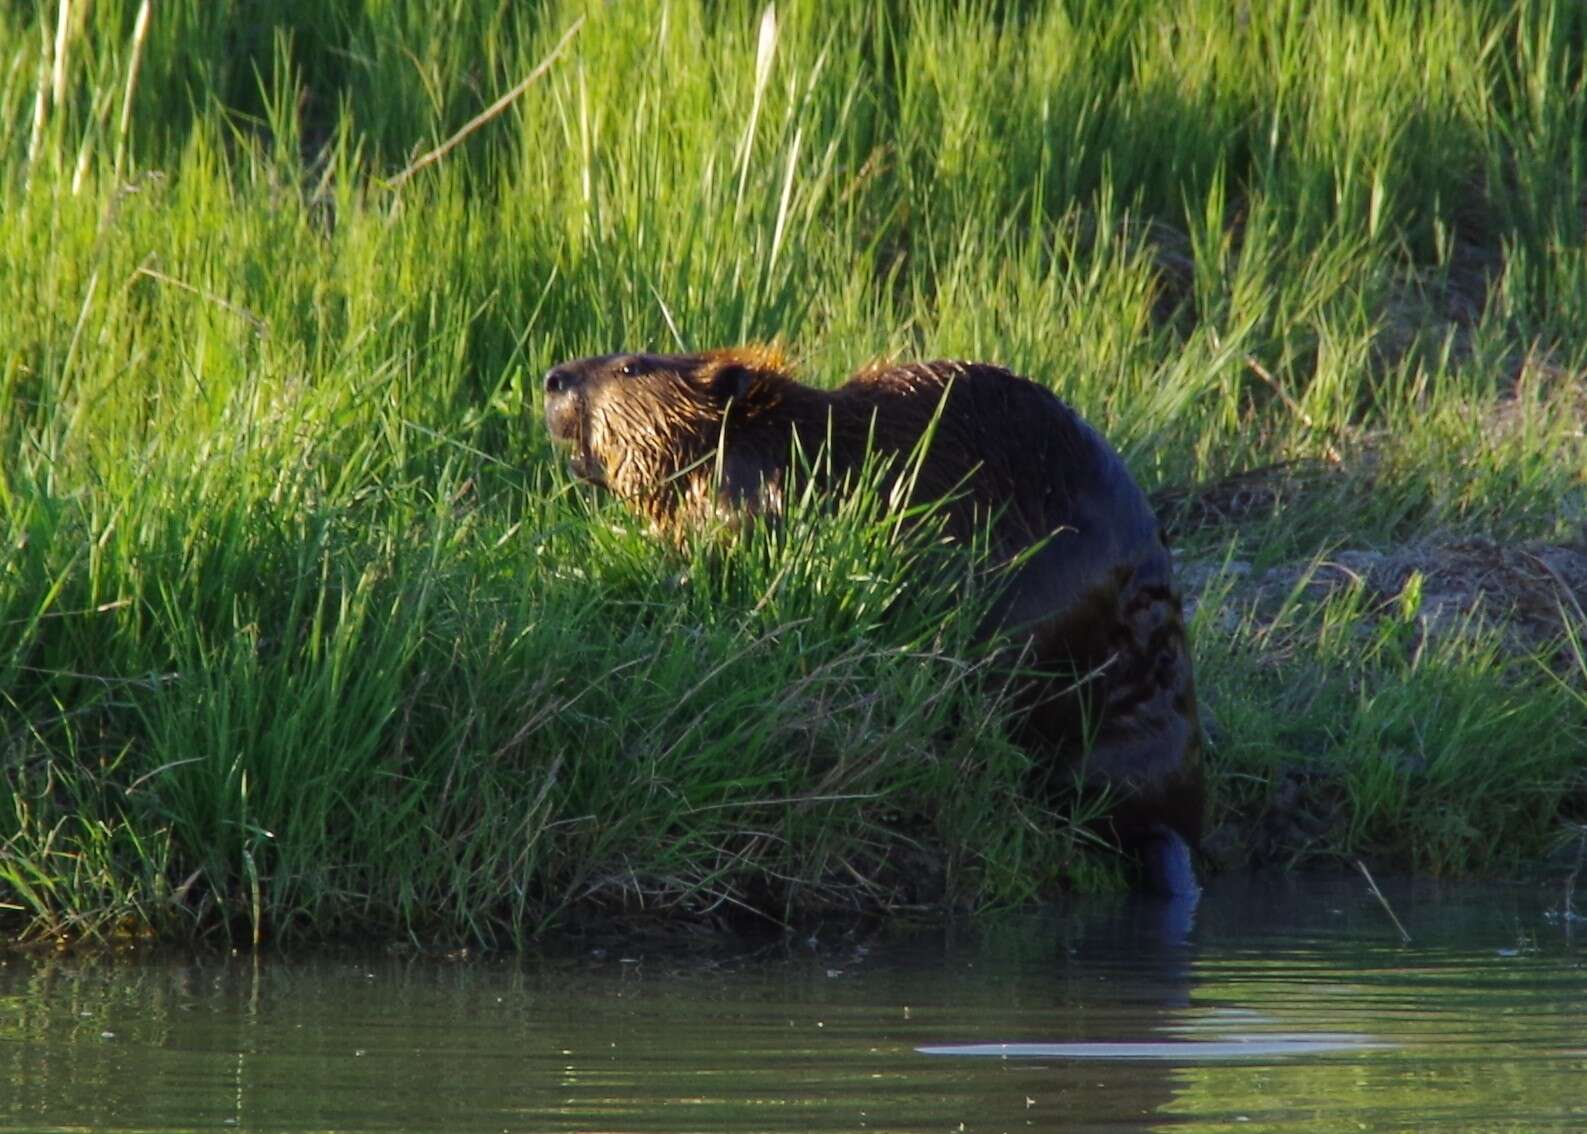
[(302, 628)]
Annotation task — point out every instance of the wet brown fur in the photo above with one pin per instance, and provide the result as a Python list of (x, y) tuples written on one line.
[(695, 439)]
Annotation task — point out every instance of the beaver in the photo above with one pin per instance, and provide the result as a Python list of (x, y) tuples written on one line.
[(1088, 600)]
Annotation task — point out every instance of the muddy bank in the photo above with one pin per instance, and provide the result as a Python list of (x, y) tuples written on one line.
[(1530, 594), (1381, 700)]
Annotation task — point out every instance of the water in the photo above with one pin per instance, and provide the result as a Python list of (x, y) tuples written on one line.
[(1288, 1006)]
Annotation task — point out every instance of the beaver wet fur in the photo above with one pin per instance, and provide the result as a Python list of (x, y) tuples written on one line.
[(695, 439)]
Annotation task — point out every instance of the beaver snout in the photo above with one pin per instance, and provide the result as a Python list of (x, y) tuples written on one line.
[(563, 405), (565, 410)]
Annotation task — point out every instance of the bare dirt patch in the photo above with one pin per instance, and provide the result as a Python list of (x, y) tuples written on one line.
[(1533, 591), (1527, 598)]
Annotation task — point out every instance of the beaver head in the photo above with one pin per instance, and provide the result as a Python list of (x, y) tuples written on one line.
[(650, 428)]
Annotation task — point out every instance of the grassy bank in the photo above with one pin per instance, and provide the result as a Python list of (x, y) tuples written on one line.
[(303, 630)]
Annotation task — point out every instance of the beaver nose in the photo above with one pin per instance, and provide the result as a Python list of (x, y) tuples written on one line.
[(558, 379)]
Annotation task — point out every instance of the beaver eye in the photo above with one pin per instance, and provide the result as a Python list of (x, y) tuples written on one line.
[(630, 368)]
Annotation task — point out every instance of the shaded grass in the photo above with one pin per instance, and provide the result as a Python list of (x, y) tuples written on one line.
[(303, 631), (1348, 728), (428, 746)]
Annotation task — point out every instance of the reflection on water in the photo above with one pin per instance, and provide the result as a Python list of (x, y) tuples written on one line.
[(1286, 1006), (1252, 1046)]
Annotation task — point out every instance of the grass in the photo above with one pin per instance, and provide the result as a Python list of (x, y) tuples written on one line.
[(1356, 732), (303, 630)]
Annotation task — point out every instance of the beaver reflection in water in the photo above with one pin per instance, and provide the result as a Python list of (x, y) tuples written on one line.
[(692, 439)]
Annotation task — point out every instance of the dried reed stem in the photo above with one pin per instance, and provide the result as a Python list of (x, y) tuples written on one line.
[(490, 111), (140, 32)]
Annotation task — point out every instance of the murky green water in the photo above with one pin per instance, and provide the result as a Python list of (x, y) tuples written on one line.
[(1288, 1006)]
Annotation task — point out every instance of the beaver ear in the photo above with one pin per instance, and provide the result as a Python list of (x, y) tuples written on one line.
[(730, 381)]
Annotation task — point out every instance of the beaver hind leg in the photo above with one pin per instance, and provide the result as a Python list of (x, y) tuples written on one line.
[(1166, 865)]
